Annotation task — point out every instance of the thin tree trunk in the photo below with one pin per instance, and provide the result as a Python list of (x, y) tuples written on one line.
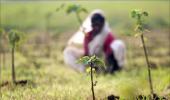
[(92, 84), (79, 19), (149, 68), (13, 64)]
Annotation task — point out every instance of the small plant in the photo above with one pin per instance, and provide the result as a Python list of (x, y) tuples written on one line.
[(74, 8), (91, 63), (140, 29), (14, 38), (77, 9)]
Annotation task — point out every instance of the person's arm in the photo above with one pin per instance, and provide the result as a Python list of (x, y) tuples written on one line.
[(106, 47)]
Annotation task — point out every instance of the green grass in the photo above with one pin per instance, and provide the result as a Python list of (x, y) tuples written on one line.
[(50, 79), (54, 80)]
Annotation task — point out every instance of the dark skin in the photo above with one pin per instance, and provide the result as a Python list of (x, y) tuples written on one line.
[(97, 27)]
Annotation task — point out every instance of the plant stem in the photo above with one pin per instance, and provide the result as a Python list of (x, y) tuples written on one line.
[(79, 19), (13, 65), (149, 68), (92, 86)]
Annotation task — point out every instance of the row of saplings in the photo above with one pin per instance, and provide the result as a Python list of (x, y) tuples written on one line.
[(14, 38), (92, 62)]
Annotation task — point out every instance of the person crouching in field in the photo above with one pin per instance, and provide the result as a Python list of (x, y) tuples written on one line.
[(95, 38)]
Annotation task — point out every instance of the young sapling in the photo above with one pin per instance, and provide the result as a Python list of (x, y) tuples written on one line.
[(14, 39), (140, 29), (91, 62), (74, 8), (77, 9)]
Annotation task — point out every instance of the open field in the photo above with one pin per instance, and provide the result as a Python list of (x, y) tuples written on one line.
[(40, 59)]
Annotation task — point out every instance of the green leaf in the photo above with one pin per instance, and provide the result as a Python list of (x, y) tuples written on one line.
[(84, 60), (72, 8), (138, 27), (133, 14), (92, 58), (87, 60), (99, 63), (138, 34), (76, 9), (145, 13), (88, 69), (14, 37), (82, 10)]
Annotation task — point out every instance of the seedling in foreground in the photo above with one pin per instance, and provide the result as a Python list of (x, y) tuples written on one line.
[(140, 29), (91, 62), (14, 38)]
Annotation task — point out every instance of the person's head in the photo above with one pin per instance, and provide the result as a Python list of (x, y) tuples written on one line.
[(97, 21)]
